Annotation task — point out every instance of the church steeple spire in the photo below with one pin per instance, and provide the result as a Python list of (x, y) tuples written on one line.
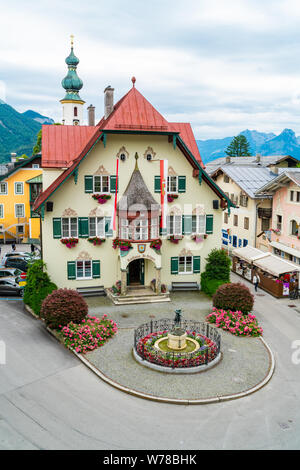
[(72, 103)]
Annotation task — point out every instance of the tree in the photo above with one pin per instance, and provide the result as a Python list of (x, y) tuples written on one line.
[(38, 146), (238, 147), (217, 271)]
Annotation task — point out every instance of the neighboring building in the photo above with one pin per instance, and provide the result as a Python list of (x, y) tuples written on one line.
[(257, 161), (19, 187), (250, 222), (285, 233), (79, 164)]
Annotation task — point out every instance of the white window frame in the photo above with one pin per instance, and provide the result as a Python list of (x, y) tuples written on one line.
[(23, 211), (5, 192), (17, 229), (185, 264), (154, 229), (84, 269), (35, 165), (1, 211), (200, 226), (140, 229), (169, 183), (97, 227), (70, 229), (22, 186), (123, 229), (101, 184), (174, 225)]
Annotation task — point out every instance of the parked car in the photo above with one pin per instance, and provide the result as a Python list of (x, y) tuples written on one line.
[(8, 286), (16, 262), (16, 273)]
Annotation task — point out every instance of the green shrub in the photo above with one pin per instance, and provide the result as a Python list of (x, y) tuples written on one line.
[(211, 285), (63, 306), (38, 286), (217, 271), (234, 297)]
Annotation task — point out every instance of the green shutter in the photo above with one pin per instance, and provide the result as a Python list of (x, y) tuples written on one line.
[(186, 224), (56, 227), (196, 264), (209, 223), (181, 184), (83, 227), (157, 184), (88, 184), (108, 229), (113, 182), (174, 265), (71, 270), (96, 268)]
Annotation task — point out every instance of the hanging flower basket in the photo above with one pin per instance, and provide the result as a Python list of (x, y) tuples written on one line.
[(175, 238), (124, 245), (156, 245), (101, 198), (171, 197), (69, 242), (96, 241), (276, 230)]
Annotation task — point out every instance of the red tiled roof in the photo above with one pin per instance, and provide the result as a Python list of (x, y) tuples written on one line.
[(187, 135)]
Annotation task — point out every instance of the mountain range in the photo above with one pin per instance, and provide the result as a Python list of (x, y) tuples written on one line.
[(18, 131), (285, 143)]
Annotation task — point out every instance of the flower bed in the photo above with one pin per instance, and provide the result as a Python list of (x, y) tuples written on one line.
[(206, 353), (235, 322), (69, 242), (91, 333), (96, 241), (101, 198)]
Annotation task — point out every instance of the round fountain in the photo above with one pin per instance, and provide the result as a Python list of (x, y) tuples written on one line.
[(177, 346)]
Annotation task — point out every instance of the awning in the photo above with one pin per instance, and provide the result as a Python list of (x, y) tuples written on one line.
[(274, 265), (249, 253), (286, 249)]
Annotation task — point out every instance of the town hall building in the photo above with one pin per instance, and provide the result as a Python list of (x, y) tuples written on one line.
[(126, 202)]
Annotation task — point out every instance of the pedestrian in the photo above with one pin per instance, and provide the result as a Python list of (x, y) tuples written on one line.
[(13, 246), (256, 281), (32, 248)]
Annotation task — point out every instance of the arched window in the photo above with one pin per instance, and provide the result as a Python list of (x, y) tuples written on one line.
[(75, 111), (294, 228)]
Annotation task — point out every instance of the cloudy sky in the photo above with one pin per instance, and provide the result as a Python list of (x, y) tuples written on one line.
[(222, 65)]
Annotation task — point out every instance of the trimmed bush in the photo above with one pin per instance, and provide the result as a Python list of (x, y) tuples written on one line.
[(38, 286), (234, 297), (217, 271), (62, 307)]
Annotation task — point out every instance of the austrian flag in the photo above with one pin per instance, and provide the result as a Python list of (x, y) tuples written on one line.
[(163, 192)]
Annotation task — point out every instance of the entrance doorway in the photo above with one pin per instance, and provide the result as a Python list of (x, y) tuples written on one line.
[(136, 273)]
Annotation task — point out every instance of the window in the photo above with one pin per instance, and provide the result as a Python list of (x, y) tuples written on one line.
[(84, 269), (246, 223), (20, 229), (101, 184), (1, 211), (69, 227), (243, 200), (294, 228), (19, 210), (225, 217), (75, 111), (140, 229), (226, 179), (291, 195), (123, 229), (35, 165), (3, 188), (97, 227), (19, 188), (172, 184), (198, 224), (279, 222), (154, 228), (235, 220), (174, 225), (185, 264), (265, 224)]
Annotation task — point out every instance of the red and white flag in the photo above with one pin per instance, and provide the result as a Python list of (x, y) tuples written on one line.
[(163, 192)]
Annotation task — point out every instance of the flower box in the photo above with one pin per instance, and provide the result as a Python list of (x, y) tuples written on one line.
[(156, 245), (175, 238), (101, 198), (171, 197), (96, 241), (124, 245), (69, 242)]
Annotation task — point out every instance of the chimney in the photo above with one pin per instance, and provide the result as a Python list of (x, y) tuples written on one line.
[(258, 155), (227, 159), (13, 157), (91, 115), (274, 169), (108, 101)]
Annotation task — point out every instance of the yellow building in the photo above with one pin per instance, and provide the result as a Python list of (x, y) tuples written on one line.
[(19, 187)]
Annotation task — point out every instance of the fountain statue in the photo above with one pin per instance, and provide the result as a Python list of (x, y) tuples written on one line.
[(177, 337)]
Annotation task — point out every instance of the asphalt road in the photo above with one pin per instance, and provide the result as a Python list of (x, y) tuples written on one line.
[(49, 400)]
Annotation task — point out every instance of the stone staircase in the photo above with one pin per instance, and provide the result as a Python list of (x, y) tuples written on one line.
[(138, 295)]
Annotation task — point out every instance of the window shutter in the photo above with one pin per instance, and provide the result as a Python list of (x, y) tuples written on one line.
[(113, 183), (71, 270), (83, 227), (196, 264), (96, 268), (245, 242), (56, 227), (181, 184), (186, 224), (88, 184), (174, 265), (157, 184), (108, 229), (209, 223)]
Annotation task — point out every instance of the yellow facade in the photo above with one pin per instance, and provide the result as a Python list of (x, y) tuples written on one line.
[(16, 222)]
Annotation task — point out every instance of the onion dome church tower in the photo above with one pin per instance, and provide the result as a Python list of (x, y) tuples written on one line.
[(72, 103)]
